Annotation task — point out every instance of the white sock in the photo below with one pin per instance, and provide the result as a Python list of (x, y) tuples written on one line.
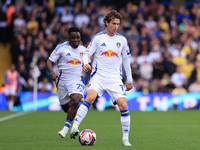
[(81, 113), (10, 104), (125, 121)]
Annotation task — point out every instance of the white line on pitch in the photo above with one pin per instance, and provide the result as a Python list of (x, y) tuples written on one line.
[(15, 115)]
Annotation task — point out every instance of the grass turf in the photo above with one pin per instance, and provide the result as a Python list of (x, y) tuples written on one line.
[(173, 130)]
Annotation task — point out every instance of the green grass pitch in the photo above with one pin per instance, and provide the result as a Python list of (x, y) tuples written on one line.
[(172, 130)]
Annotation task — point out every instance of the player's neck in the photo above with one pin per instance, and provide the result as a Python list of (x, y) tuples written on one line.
[(109, 33)]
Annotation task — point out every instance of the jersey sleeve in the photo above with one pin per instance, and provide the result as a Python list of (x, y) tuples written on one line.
[(92, 47), (55, 54), (125, 50), (126, 62), (90, 51)]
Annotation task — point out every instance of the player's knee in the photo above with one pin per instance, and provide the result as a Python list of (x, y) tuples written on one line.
[(90, 99), (75, 99), (123, 106), (74, 103)]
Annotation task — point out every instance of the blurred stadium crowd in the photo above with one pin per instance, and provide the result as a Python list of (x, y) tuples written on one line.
[(164, 40)]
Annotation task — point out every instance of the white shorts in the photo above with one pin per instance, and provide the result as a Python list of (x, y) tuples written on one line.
[(64, 91), (115, 90), (10, 91)]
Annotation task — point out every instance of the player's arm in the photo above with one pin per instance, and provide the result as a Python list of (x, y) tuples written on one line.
[(55, 55), (6, 78), (86, 66), (89, 52), (127, 67), (50, 69)]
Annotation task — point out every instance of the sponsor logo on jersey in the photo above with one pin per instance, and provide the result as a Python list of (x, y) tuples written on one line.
[(81, 54), (109, 54), (74, 62), (103, 44), (118, 44)]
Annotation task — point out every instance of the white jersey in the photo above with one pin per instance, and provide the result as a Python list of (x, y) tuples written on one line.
[(108, 52), (69, 62)]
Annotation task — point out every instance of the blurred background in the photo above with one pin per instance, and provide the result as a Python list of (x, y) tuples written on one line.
[(163, 36)]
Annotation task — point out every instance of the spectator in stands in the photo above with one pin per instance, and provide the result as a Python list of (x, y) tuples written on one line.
[(195, 75), (150, 23), (179, 90), (194, 87), (153, 6), (187, 68), (81, 19), (12, 84), (32, 25), (146, 70), (9, 19), (133, 34), (45, 85), (66, 16), (19, 22), (178, 78)]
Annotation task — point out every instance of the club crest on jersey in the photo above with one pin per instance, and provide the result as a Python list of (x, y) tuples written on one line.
[(118, 44), (81, 54)]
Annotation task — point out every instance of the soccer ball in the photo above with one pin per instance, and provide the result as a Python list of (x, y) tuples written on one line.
[(87, 137)]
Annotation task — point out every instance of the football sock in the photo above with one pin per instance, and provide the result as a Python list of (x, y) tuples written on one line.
[(125, 121), (81, 113), (67, 124)]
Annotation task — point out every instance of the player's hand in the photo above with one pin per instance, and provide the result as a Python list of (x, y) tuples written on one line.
[(54, 77), (129, 86), (87, 68)]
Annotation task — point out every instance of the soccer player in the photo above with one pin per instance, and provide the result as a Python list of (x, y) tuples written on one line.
[(70, 85), (108, 48)]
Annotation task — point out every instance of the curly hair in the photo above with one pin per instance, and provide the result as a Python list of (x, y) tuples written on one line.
[(73, 29), (112, 15)]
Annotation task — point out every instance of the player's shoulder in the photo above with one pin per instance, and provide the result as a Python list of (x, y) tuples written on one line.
[(121, 36), (61, 45), (98, 35), (82, 48)]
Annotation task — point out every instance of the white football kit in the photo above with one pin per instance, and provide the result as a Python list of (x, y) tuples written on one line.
[(106, 68), (70, 67)]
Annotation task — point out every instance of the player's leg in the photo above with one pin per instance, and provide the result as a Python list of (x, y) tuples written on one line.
[(82, 111), (10, 97), (64, 102), (125, 120), (10, 101), (62, 133), (71, 109), (75, 99), (117, 94)]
